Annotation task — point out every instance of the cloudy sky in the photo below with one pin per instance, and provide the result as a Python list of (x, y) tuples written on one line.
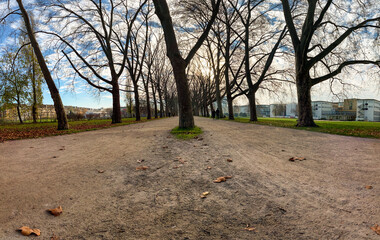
[(76, 92)]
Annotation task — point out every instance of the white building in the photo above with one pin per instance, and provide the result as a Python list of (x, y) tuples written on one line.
[(321, 109), (368, 110), (291, 110)]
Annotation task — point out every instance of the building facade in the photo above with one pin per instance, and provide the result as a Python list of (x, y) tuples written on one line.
[(322, 109), (367, 110)]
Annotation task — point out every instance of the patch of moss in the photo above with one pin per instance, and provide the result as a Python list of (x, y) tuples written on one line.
[(186, 133)]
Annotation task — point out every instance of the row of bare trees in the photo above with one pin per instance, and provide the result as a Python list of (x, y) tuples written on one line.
[(247, 36), (216, 49)]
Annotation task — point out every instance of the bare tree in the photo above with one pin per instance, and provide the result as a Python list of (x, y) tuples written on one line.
[(316, 44), (179, 64), (101, 62), (256, 37), (59, 109)]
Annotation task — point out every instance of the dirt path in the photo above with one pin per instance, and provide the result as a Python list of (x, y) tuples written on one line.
[(323, 197)]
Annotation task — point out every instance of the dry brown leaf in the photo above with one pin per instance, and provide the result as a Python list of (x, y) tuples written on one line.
[(368, 187), (142, 168), (100, 171), (250, 229), (376, 229), (56, 211), (292, 159), (204, 194), (229, 160), (220, 179), (165, 147), (26, 231)]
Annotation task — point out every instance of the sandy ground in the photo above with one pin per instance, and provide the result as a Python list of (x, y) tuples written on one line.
[(323, 197)]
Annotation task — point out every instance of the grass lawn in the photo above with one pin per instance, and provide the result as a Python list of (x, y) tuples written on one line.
[(34, 130), (348, 128), (186, 133)]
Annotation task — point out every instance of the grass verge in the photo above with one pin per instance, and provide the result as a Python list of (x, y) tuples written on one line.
[(347, 128), (186, 133), (36, 130)]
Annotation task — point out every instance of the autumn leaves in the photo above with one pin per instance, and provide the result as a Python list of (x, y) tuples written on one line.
[(26, 231)]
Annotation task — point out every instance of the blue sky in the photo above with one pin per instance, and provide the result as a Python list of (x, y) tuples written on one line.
[(83, 97)]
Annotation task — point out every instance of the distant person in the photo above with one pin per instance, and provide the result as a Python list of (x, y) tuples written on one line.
[(213, 114), (217, 113)]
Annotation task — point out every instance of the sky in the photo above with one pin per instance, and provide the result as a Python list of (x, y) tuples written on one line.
[(84, 97)]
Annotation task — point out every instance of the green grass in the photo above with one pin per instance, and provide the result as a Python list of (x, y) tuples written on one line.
[(347, 128), (34, 130), (186, 133)]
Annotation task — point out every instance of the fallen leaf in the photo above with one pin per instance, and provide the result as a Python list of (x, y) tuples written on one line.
[(229, 160), (376, 229), (368, 187), (220, 179), (292, 159), (250, 229), (208, 168), (204, 194), (165, 147), (26, 231), (100, 171), (56, 211), (142, 168)]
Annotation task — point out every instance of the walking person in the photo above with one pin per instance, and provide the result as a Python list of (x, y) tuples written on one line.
[(217, 113), (213, 114)]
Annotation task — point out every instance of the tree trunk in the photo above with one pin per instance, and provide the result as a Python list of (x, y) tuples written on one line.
[(19, 113), (230, 107), (116, 113), (252, 107), (137, 100), (186, 119), (149, 116), (161, 103), (166, 105), (227, 76), (34, 105), (217, 85), (305, 113), (154, 101), (59, 109)]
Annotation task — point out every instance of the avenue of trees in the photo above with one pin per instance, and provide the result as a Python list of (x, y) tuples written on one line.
[(184, 57)]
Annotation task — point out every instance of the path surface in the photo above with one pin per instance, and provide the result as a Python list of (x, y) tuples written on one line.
[(323, 197)]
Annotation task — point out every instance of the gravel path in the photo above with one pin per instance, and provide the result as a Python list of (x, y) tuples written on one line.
[(322, 197)]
